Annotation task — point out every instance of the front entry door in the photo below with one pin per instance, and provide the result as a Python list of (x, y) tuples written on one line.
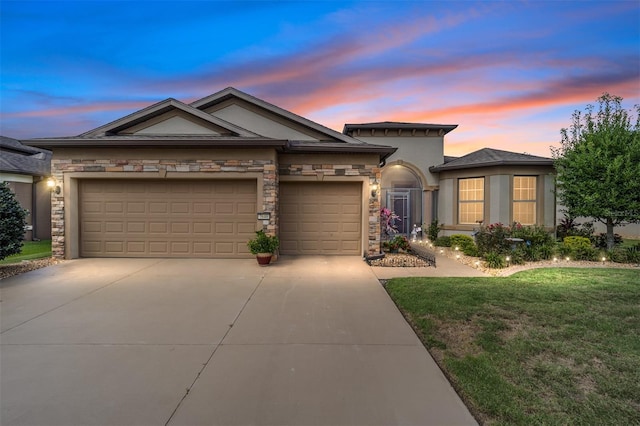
[(399, 202)]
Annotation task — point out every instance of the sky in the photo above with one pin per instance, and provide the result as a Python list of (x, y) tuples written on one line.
[(508, 73)]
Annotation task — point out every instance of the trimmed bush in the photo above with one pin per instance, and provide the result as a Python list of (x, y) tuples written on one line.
[(578, 248), (443, 241), (465, 243)]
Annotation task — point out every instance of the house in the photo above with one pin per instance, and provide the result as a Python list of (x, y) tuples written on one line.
[(196, 180), (26, 169)]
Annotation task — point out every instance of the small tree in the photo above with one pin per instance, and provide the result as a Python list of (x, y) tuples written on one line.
[(598, 165), (12, 222)]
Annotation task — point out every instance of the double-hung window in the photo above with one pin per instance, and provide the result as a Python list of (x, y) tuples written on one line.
[(524, 199), (470, 200)]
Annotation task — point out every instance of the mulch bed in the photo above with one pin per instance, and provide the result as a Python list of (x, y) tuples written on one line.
[(399, 260)]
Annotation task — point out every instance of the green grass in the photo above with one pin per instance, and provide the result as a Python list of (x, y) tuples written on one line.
[(545, 346), (628, 242), (30, 250)]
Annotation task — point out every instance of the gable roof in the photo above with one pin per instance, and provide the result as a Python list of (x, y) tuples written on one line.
[(231, 92), (21, 159), (492, 157), (160, 108), (237, 137)]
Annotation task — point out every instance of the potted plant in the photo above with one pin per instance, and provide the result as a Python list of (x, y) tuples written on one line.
[(263, 246)]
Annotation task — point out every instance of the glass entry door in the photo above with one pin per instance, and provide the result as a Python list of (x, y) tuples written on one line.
[(399, 202)]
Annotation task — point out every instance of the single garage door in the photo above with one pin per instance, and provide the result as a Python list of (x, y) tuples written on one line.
[(166, 218), (321, 218)]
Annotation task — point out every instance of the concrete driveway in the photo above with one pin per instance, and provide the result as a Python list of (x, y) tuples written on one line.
[(306, 341)]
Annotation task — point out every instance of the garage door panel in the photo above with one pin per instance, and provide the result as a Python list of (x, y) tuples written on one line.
[(321, 218), (167, 219), (136, 247), (136, 207), (114, 247), (133, 227)]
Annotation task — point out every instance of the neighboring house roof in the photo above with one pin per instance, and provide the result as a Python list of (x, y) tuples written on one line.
[(385, 126), (448, 158), (125, 132), (492, 157), (21, 159)]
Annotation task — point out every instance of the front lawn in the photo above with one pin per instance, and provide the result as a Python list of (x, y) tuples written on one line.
[(30, 250), (544, 346)]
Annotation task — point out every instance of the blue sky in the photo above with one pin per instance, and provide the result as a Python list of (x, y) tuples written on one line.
[(509, 73)]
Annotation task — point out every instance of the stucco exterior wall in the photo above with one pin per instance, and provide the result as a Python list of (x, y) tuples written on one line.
[(498, 209), (446, 197), (419, 151)]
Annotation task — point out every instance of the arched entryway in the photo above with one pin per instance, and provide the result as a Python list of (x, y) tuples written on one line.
[(401, 192)]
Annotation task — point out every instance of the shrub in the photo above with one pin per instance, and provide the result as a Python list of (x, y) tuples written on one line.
[(625, 254), (443, 241), (434, 229), (568, 227), (494, 260), (539, 244), (600, 240), (578, 248), (465, 243), (12, 222), (493, 239), (399, 242)]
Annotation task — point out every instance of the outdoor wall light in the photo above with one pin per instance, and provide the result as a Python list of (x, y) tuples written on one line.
[(51, 184), (374, 189)]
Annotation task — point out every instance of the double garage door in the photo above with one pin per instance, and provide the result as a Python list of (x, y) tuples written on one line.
[(213, 218), (164, 218)]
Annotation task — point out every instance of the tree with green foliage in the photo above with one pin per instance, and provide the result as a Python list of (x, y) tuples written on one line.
[(12, 222), (598, 165)]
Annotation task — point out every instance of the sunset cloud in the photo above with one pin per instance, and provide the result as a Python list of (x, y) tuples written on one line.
[(509, 73)]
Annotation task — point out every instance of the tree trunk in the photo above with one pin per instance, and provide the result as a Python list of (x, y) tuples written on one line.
[(610, 239)]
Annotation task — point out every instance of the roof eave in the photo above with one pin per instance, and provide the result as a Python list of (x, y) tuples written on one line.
[(447, 167), (150, 142)]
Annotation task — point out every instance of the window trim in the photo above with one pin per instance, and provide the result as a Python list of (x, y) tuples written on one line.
[(474, 201), (533, 201)]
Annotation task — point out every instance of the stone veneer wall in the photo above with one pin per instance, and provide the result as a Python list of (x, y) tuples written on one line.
[(61, 166), (371, 171)]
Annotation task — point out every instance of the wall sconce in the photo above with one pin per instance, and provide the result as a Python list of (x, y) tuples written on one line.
[(374, 189), (51, 184)]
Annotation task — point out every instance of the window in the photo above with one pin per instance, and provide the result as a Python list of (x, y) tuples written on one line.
[(470, 200), (524, 199)]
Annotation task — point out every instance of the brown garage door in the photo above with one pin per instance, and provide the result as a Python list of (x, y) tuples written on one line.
[(165, 218), (321, 218)]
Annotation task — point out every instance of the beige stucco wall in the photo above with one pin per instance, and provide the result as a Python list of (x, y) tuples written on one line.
[(260, 124), (420, 151)]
